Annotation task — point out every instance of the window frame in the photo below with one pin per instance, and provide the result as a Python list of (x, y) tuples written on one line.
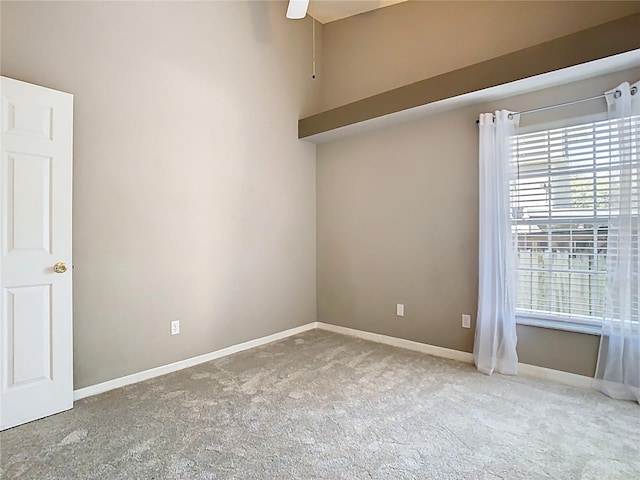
[(565, 322)]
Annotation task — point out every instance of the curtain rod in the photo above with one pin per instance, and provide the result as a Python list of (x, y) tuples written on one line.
[(616, 94)]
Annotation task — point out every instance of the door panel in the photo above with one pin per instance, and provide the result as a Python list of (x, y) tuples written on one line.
[(29, 322), (28, 202), (29, 119), (36, 358)]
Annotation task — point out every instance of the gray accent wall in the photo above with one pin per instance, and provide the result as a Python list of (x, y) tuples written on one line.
[(398, 223)]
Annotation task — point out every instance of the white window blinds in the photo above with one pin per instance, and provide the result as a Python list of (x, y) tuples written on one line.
[(560, 208)]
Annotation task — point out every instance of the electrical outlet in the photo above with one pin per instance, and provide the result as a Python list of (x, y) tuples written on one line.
[(175, 327), (400, 309), (466, 321)]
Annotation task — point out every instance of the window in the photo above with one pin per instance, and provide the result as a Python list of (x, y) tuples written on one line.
[(560, 206)]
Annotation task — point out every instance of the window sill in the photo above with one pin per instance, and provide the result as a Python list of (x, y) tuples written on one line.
[(565, 325)]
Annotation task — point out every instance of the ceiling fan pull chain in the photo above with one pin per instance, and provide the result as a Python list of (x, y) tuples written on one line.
[(313, 73)]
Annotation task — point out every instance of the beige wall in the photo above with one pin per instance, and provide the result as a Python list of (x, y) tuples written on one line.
[(193, 199), (398, 223), (401, 44)]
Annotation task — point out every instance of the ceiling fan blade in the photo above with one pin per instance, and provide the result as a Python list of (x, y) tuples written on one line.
[(297, 9)]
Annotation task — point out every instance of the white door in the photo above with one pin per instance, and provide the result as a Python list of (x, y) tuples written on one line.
[(36, 357)]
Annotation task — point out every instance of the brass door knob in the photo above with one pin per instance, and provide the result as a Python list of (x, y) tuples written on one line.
[(60, 267)]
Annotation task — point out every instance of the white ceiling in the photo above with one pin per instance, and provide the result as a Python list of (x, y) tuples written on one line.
[(326, 11)]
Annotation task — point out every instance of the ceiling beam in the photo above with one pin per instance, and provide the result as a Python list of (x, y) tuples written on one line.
[(608, 39)]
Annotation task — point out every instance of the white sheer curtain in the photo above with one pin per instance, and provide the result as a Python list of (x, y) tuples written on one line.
[(495, 339), (618, 371)]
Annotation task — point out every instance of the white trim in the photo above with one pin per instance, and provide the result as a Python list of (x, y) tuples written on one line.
[(523, 368), (189, 362), (559, 376), (566, 122), (400, 342)]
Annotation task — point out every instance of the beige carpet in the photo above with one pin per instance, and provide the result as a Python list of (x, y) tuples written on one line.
[(321, 405)]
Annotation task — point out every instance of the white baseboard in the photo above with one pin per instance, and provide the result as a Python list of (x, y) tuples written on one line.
[(189, 362), (555, 375), (523, 368), (400, 342)]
